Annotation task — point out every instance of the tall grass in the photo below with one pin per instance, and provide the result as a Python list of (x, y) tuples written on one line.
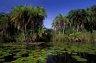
[(88, 37), (84, 37)]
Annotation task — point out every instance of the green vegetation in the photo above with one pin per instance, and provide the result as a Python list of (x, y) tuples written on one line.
[(21, 54), (79, 59), (25, 24), (24, 39), (80, 23)]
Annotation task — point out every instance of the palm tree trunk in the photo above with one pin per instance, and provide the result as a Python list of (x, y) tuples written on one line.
[(25, 32)]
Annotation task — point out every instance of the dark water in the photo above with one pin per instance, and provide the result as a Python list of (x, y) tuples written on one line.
[(91, 58), (67, 58), (59, 58)]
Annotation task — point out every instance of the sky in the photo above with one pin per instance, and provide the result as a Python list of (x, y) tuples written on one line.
[(52, 7)]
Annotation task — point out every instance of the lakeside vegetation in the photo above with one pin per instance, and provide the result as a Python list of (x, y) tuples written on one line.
[(65, 52), (24, 38)]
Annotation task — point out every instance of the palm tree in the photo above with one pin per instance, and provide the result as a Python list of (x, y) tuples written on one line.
[(77, 18), (18, 16), (57, 23), (4, 25), (39, 16), (66, 23), (90, 22), (93, 15), (28, 18), (60, 23)]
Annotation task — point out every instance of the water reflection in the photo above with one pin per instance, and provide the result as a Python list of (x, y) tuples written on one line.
[(67, 58), (59, 58)]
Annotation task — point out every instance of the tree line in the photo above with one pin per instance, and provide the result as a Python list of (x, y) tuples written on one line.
[(77, 20), (25, 23), (22, 23)]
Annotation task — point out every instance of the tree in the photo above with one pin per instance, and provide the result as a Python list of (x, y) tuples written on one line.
[(28, 19), (4, 27), (90, 19), (37, 18), (77, 18), (93, 16), (60, 23)]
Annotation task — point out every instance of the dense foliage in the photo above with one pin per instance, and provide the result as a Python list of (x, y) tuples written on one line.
[(71, 40), (61, 52), (25, 24), (73, 26), (78, 20)]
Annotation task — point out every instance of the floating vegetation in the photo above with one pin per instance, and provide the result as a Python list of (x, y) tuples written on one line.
[(69, 53)]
